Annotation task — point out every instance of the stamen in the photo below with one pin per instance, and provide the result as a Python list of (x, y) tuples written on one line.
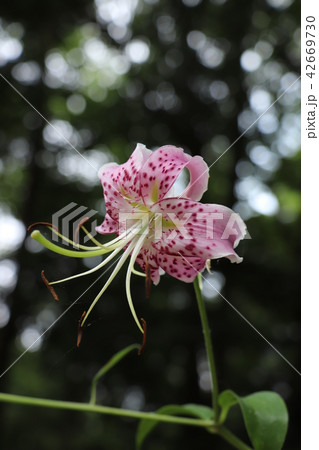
[(134, 255), (101, 249), (126, 236), (144, 336), (88, 272), (137, 272), (76, 232), (80, 330), (95, 241), (112, 276), (148, 280), (51, 289), (121, 240), (74, 244), (46, 224)]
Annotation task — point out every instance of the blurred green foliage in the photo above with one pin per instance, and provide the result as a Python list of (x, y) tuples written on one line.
[(108, 74)]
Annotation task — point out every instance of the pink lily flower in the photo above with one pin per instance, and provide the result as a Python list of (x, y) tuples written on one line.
[(161, 232), (192, 232)]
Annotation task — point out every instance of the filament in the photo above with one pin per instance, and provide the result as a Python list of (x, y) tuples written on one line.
[(110, 279), (99, 266), (139, 245)]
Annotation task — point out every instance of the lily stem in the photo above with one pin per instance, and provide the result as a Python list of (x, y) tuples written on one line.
[(209, 347), (87, 407)]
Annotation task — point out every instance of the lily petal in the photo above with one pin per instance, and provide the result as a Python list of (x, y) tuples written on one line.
[(148, 255), (183, 268), (199, 175), (162, 168), (206, 231), (121, 185), (108, 226)]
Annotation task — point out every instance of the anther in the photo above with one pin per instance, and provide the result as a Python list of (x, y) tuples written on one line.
[(80, 330), (80, 224), (144, 337), (51, 289), (148, 280)]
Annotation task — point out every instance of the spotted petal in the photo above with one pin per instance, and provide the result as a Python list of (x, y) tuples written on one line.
[(148, 256), (162, 168), (121, 187), (183, 268), (192, 229)]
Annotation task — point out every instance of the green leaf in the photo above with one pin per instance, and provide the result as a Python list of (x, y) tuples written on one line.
[(111, 363), (146, 426), (265, 416)]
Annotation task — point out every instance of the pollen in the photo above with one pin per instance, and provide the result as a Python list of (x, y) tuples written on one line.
[(50, 288), (144, 337)]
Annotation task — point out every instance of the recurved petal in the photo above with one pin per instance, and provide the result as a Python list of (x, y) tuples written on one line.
[(183, 268), (199, 175), (206, 231), (162, 168)]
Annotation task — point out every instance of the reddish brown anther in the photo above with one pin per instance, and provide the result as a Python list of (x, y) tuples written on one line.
[(148, 280), (80, 330), (81, 223), (46, 224), (144, 337), (51, 289)]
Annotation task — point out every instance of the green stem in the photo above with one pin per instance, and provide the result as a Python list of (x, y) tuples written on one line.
[(87, 407), (232, 439), (209, 347)]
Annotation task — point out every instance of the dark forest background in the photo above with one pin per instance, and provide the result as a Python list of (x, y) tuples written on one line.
[(108, 74)]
